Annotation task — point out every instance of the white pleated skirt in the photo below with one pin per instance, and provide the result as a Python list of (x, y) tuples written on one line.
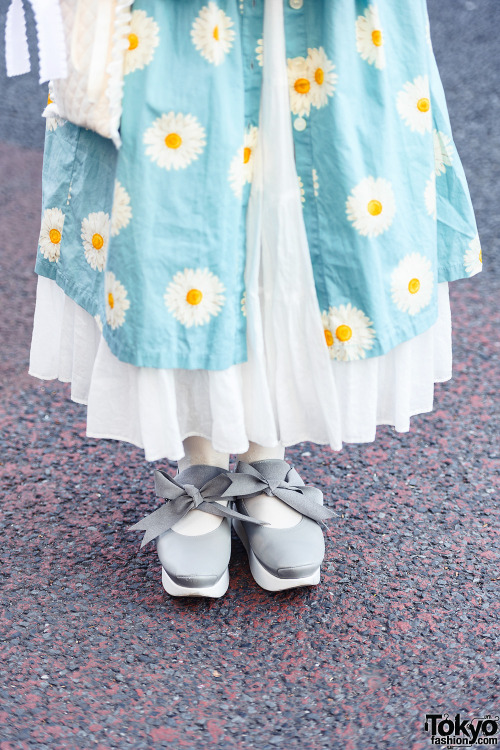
[(289, 390)]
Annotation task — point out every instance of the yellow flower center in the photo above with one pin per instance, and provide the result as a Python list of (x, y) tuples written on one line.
[(173, 140), (480, 256), (97, 241), (423, 105), (377, 37), (328, 337), (374, 207), (343, 333), (319, 76), (302, 85), (133, 41), (111, 300), (216, 33), (247, 152), (55, 236), (413, 286), (194, 297)]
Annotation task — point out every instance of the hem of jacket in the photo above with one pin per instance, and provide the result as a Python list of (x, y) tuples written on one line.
[(72, 289), (454, 273), (213, 361)]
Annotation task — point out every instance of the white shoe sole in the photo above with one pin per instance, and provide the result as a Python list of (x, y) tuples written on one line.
[(213, 592), (263, 577)]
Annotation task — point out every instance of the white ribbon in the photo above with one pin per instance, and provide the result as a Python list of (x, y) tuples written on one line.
[(51, 40), (17, 55)]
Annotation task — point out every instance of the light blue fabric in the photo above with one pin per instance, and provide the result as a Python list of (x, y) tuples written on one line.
[(191, 217)]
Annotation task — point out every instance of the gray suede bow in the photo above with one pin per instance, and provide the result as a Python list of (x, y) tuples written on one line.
[(184, 497), (277, 479)]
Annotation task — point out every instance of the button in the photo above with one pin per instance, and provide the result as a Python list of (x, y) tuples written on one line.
[(296, 4), (299, 124)]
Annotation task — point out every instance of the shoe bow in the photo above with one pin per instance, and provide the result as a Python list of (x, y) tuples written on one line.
[(181, 498), (277, 480)]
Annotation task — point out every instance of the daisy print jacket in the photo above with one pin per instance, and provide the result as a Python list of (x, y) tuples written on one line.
[(150, 239)]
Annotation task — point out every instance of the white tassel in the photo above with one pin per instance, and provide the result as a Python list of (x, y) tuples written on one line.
[(51, 40), (17, 56)]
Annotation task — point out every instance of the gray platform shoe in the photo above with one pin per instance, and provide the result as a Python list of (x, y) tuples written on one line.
[(281, 558), (192, 565)]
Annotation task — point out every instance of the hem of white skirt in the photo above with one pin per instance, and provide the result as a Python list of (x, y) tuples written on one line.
[(350, 439)]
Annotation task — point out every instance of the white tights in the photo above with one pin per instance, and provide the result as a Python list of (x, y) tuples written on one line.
[(199, 450)]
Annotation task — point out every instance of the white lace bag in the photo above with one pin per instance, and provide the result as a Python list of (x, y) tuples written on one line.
[(82, 45)]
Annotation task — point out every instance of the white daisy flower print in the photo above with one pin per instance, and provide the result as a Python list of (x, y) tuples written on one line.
[(51, 234), (117, 302), (414, 105), (95, 238), (321, 76), (299, 82), (412, 283), (371, 206), (212, 33), (51, 106), (430, 196), (259, 52), (369, 37), (174, 140), (443, 152), (52, 111), (142, 41), (242, 164), (194, 296), (315, 183), (121, 212), (349, 333), (243, 304), (473, 258)]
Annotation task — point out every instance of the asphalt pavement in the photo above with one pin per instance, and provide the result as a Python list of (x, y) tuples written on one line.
[(406, 619)]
